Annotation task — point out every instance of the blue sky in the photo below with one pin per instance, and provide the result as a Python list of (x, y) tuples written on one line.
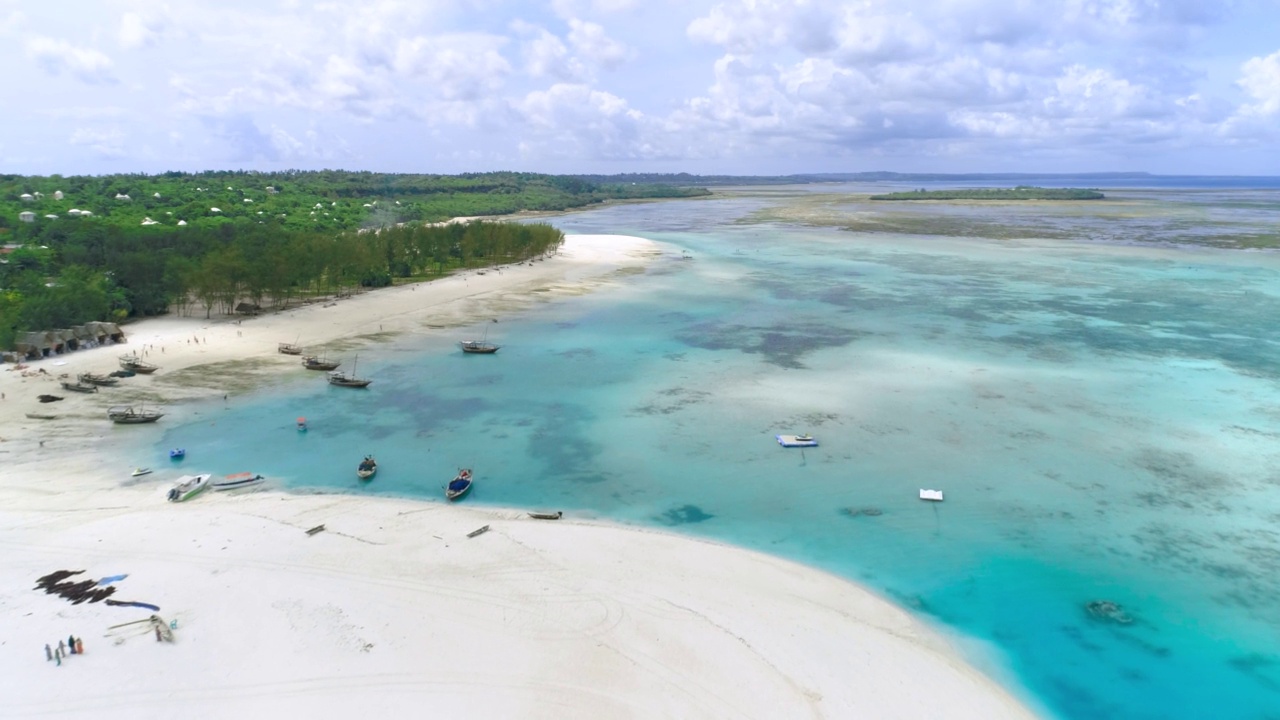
[(603, 86)]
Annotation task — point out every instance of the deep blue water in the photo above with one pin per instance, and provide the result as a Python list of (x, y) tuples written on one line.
[(1102, 418)]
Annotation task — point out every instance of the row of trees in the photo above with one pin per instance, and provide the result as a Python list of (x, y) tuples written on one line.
[(321, 200), (273, 236), (114, 273)]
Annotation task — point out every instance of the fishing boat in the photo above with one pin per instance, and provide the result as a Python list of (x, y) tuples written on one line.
[(367, 468), (479, 347), (302, 424), (133, 363), (127, 415), (188, 486), (311, 362), (289, 349), (797, 441), (79, 387), (238, 481), (139, 472), (48, 398), (177, 454), (459, 486), (92, 379), (42, 416), (342, 379)]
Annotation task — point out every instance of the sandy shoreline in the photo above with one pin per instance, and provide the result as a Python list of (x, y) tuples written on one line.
[(393, 608)]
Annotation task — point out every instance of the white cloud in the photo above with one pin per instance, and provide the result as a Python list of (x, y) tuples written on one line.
[(106, 143), (1260, 78), (590, 40), (59, 56), (143, 29), (456, 67)]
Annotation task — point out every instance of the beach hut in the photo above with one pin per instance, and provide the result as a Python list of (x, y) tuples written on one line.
[(73, 212), (122, 196), (248, 200), (85, 213), (51, 216), (182, 223), (271, 190), (57, 195), (156, 195), (84, 336), (67, 339), (26, 197), (27, 216), (215, 210), (149, 221)]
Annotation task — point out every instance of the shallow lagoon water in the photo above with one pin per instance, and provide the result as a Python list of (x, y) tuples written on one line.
[(1103, 420)]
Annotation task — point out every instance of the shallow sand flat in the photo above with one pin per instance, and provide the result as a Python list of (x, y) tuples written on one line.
[(392, 608)]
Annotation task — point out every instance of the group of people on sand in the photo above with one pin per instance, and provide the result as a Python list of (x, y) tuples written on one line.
[(73, 646)]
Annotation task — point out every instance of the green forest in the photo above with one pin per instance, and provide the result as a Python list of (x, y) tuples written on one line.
[(79, 249), (1021, 192)]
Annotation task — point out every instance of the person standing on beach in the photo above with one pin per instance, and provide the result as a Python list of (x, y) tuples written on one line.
[(79, 646), (48, 652), (58, 659), (60, 648), (158, 637), (71, 642)]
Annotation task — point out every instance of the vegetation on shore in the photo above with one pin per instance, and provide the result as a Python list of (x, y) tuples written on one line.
[(143, 245), (1021, 192)]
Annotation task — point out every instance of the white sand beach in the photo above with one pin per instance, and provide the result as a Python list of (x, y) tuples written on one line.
[(393, 608)]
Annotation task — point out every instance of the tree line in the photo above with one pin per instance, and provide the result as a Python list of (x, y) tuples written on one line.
[(110, 273)]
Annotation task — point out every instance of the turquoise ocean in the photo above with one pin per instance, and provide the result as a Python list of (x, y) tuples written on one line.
[(1101, 408)]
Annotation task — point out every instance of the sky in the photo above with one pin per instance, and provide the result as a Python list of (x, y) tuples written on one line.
[(608, 86)]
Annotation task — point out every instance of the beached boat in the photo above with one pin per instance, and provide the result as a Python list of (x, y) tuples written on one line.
[(342, 379), (177, 454), (188, 486), (92, 379), (312, 362), (139, 472), (479, 347), (127, 415), (289, 349), (797, 441), (48, 398), (133, 363), (367, 468), (238, 481), (547, 515), (42, 416), (79, 387), (459, 486)]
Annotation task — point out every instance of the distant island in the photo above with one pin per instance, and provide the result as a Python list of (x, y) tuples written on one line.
[(1021, 192)]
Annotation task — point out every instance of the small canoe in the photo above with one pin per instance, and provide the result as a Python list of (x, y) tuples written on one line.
[(79, 387), (459, 486), (546, 515), (238, 481), (367, 468), (42, 416)]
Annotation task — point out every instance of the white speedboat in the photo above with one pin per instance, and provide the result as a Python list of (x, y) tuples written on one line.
[(188, 486), (139, 472)]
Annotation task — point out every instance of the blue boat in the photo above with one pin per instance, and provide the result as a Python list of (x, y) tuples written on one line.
[(459, 486), (177, 454)]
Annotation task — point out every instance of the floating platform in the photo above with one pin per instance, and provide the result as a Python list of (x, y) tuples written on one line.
[(934, 495), (796, 441)]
